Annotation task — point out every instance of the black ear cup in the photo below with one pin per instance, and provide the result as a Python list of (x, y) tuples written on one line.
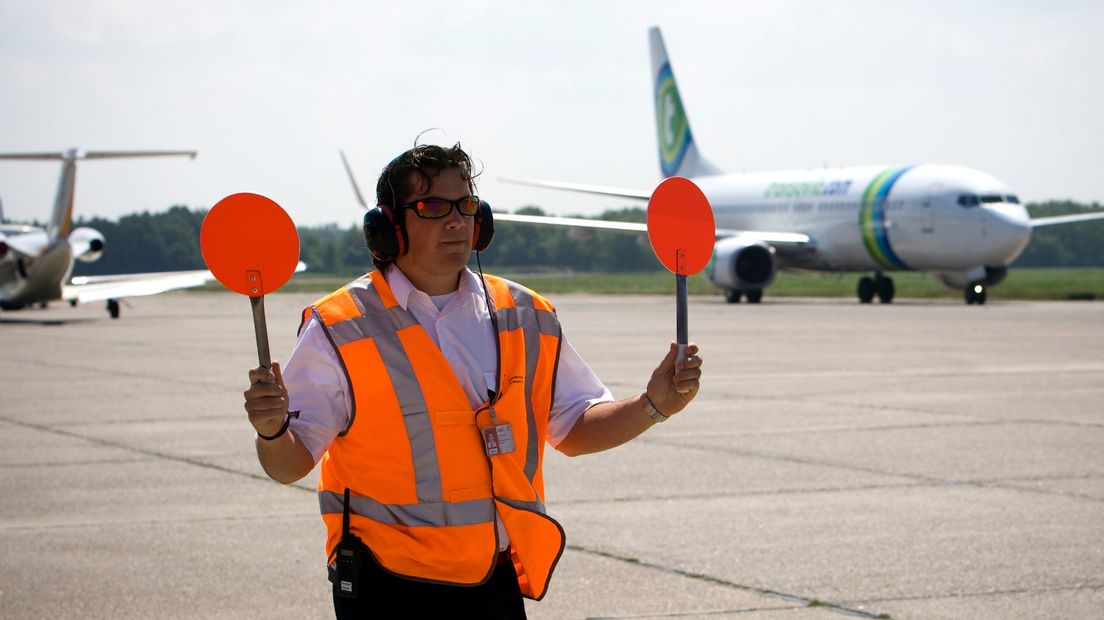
[(483, 227), (385, 238)]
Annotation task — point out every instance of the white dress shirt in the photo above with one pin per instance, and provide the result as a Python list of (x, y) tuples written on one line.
[(459, 324)]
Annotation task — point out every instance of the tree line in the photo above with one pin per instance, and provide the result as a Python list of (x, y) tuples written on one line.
[(169, 241)]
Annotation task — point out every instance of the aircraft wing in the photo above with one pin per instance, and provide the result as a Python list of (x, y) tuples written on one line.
[(782, 241), (86, 289), (1066, 219), (584, 188), (98, 288)]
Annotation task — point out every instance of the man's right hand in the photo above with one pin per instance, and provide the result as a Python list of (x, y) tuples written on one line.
[(266, 400)]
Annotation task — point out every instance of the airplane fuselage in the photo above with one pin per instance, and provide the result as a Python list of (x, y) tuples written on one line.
[(879, 218)]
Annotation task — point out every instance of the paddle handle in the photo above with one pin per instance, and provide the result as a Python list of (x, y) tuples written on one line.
[(680, 315), (261, 329)]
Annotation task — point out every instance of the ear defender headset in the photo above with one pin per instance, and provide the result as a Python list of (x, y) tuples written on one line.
[(385, 234)]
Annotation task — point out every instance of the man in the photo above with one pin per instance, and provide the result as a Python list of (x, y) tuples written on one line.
[(427, 392)]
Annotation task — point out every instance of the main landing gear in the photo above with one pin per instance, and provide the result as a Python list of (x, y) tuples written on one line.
[(878, 285), (975, 294), (113, 308), (754, 295)]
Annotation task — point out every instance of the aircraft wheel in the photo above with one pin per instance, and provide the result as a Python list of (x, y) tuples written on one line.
[(754, 296), (975, 294), (72, 303), (886, 290), (113, 308), (732, 295), (866, 290)]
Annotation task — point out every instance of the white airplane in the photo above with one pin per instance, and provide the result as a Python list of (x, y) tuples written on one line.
[(35, 263), (961, 224)]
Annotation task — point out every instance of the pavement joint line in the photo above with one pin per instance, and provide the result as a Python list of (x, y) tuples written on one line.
[(706, 612), (888, 427), (201, 418), (771, 492), (983, 594), (47, 527), (80, 463), (99, 370), (767, 592), (930, 480), (143, 451)]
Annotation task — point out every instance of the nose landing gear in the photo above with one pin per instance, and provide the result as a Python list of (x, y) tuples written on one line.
[(878, 285), (975, 294)]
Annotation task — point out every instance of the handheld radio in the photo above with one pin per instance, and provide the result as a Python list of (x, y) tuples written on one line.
[(349, 557)]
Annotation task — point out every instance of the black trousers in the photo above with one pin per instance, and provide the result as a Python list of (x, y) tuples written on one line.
[(383, 595)]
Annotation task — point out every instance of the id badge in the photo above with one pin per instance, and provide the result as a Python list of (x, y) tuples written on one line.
[(498, 439)]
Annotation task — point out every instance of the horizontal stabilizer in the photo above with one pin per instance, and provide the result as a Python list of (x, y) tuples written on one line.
[(122, 154), (74, 154)]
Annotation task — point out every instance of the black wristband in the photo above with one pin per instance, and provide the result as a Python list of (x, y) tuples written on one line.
[(283, 429)]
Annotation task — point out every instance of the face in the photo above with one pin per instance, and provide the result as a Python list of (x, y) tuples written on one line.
[(439, 248)]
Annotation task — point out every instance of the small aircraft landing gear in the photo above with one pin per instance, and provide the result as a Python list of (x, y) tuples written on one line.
[(113, 308), (975, 294), (72, 303), (733, 295), (878, 285)]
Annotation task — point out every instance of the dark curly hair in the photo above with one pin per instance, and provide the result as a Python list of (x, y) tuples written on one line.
[(426, 161)]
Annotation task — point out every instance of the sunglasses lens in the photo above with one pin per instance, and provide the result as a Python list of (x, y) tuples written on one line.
[(432, 208), (469, 205)]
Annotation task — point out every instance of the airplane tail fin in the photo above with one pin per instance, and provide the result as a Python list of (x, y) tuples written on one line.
[(678, 155), (61, 220)]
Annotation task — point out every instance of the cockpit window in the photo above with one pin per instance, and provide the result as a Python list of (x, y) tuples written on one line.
[(1012, 199), (992, 198), (968, 200)]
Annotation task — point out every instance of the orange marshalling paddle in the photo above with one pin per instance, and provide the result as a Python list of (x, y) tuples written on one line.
[(682, 232), (250, 245)]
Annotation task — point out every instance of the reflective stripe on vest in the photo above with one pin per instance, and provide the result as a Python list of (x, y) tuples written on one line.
[(372, 334)]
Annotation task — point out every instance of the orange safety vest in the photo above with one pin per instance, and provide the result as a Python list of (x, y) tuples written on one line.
[(424, 492)]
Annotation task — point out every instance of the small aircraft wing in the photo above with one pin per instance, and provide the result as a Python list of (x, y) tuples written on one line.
[(85, 289)]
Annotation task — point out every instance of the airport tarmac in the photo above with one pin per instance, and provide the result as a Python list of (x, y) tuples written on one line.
[(925, 459)]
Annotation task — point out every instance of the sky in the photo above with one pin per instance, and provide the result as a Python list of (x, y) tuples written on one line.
[(268, 91)]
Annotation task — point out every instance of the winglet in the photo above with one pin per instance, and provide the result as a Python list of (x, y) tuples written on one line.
[(352, 179)]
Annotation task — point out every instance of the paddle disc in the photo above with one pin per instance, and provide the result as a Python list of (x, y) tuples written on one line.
[(680, 226), (682, 232), (250, 244)]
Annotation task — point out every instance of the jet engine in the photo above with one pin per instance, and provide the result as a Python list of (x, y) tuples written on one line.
[(87, 244), (741, 264)]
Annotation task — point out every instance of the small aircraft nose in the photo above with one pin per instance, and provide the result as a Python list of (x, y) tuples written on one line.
[(1009, 231)]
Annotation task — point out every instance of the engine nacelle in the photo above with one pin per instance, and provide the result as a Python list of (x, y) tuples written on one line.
[(741, 265), (987, 276), (87, 244)]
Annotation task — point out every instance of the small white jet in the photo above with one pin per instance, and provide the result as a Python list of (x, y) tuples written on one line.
[(961, 224), (35, 263)]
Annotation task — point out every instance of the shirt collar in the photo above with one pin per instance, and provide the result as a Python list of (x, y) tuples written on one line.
[(402, 287)]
